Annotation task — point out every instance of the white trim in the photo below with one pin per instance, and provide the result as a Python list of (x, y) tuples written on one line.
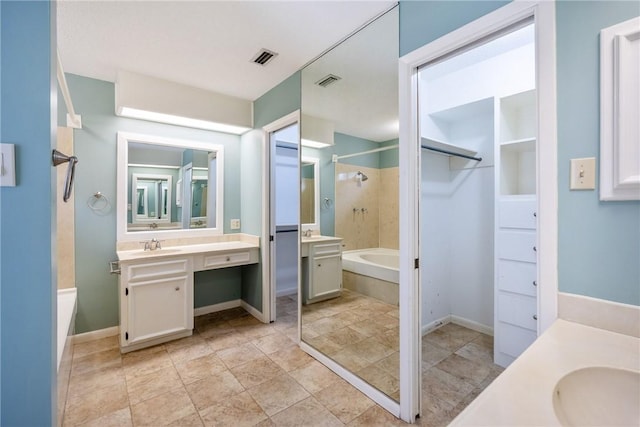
[(370, 391), (96, 335), (253, 311), (214, 308), (436, 324), (544, 15), (471, 324), (268, 212)]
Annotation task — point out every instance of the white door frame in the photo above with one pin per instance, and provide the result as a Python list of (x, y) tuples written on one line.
[(268, 219), (543, 13)]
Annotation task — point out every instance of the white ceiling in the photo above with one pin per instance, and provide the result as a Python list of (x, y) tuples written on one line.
[(206, 44)]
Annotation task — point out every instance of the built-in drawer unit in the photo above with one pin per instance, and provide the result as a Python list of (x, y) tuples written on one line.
[(518, 277), (517, 213), (514, 340), (517, 245), (229, 259), (519, 310), (166, 267), (323, 249)]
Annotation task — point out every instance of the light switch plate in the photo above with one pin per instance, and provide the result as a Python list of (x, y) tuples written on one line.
[(7, 165), (583, 174), (235, 224)]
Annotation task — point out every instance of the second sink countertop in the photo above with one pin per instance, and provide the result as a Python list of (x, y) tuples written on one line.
[(132, 255)]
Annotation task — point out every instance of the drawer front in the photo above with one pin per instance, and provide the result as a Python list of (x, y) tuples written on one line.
[(517, 245), (517, 213), (518, 277), (519, 310), (514, 340), (322, 249), (228, 259), (143, 271)]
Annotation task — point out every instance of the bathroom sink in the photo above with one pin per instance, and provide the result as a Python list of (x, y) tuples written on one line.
[(598, 396), (157, 252)]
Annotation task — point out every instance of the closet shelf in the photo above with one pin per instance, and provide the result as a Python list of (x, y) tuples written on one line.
[(519, 141), (448, 149)]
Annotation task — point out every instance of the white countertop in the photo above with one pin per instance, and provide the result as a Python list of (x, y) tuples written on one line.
[(523, 394), (137, 254)]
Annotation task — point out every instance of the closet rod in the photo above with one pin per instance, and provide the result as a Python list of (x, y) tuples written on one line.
[(451, 153)]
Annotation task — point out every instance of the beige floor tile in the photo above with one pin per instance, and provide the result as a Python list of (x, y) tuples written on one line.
[(284, 322), (292, 334), (143, 387), (194, 339), (290, 358), (374, 417), (460, 332), (390, 364), (476, 352), (485, 341), (344, 401), (432, 354), (435, 404), (466, 370), (272, 343), (256, 371), (92, 406), (88, 383), (95, 346), (236, 356), (196, 369), (239, 410), (445, 386), (345, 336), (350, 360), (371, 349), (390, 338), (444, 340), (307, 412), (314, 376), (244, 320), (95, 361), (383, 381), (145, 362), (278, 393), (347, 316), (214, 328), (250, 333), (213, 389), (223, 341), (119, 418), (189, 352), (192, 420), (327, 324), (366, 328), (163, 410), (266, 423)]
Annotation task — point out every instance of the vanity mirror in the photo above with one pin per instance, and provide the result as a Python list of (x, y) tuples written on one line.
[(309, 193), (350, 273), (168, 186)]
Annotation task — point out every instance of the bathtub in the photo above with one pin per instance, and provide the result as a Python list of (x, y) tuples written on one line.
[(66, 316), (373, 272)]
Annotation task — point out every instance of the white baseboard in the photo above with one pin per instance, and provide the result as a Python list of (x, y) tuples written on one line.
[(96, 335), (285, 292), (475, 326), (252, 311), (200, 311), (432, 326)]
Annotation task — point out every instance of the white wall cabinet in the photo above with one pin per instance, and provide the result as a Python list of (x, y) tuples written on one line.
[(322, 272), (516, 254)]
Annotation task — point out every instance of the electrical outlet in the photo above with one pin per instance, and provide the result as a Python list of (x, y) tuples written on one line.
[(235, 224), (583, 174)]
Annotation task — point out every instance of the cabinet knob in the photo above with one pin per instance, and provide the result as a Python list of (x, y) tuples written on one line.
[(535, 283), (535, 317), (534, 249), (177, 288), (228, 259), (535, 214), (319, 265)]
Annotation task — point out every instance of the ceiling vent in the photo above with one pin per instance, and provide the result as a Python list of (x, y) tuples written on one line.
[(263, 57), (327, 80)]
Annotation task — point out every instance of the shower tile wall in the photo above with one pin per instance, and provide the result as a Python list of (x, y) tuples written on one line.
[(65, 217), (377, 225), (307, 197)]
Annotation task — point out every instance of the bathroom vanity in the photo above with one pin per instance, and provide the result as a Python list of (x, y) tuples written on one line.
[(321, 268), (156, 286)]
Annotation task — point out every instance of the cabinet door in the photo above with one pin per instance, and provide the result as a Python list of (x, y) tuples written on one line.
[(159, 307), (326, 275)]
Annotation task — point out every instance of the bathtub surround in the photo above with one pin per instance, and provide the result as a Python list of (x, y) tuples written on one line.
[(65, 217)]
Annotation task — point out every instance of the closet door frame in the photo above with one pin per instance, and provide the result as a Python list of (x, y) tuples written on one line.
[(543, 13)]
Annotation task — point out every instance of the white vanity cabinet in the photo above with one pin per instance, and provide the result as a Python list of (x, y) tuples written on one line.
[(322, 270), (156, 301)]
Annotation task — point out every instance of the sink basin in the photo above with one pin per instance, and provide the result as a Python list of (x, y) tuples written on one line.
[(598, 396), (159, 252)]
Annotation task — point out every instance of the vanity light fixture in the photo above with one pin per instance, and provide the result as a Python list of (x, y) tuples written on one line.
[(135, 113)]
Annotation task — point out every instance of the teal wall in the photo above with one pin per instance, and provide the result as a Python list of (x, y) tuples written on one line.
[(27, 224), (277, 102), (599, 242), (95, 147)]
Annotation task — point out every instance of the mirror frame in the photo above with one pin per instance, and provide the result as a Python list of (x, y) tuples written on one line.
[(134, 186), (315, 225), (122, 184)]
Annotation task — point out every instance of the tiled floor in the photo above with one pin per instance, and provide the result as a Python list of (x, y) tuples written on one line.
[(235, 371), (359, 332)]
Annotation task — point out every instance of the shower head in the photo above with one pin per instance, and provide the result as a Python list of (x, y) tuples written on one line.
[(361, 176)]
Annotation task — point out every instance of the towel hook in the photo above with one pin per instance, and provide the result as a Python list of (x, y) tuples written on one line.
[(57, 158)]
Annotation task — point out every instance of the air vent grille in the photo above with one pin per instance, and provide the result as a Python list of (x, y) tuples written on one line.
[(263, 57), (327, 80)]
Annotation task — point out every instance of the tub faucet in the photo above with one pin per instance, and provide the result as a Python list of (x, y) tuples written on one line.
[(152, 245)]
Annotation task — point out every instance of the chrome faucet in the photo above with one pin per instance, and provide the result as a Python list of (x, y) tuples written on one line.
[(307, 233), (152, 245)]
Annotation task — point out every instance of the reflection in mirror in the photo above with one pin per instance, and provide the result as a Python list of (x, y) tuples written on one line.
[(355, 319), (172, 185), (309, 193)]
